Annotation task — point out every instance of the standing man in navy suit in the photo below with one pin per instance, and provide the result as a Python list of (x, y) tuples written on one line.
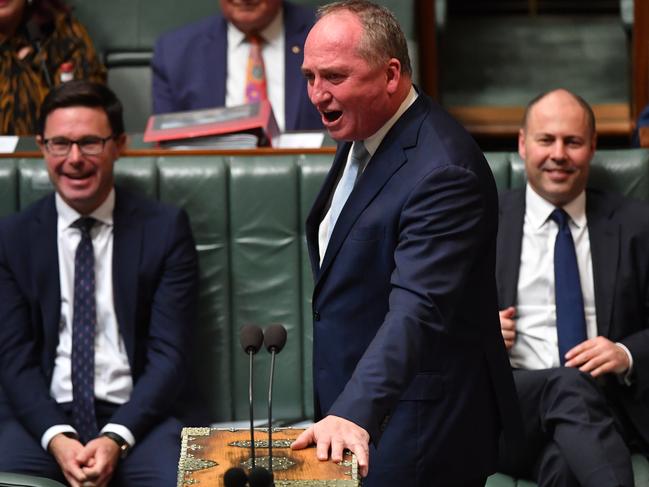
[(203, 65), (410, 372), (97, 292), (585, 404)]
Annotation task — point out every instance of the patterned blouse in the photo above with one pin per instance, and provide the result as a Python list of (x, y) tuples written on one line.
[(23, 85)]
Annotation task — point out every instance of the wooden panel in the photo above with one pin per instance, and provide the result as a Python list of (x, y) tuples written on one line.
[(640, 57), (428, 58), (207, 453), (504, 121)]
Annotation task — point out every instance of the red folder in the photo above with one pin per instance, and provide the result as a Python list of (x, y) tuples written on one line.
[(255, 118)]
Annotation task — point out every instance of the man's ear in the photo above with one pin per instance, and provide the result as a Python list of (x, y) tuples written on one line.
[(393, 75), (41, 145), (521, 143), (120, 142)]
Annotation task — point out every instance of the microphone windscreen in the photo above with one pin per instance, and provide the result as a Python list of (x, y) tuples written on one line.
[(235, 477), (260, 477), (251, 337), (275, 338)]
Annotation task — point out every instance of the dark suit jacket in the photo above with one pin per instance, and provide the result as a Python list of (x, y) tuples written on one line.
[(406, 336), (618, 230), (154, 282), (189, 68)]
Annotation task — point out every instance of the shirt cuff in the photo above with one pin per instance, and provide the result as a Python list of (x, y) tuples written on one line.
[(625, 377), (120, 430), (52, 431)]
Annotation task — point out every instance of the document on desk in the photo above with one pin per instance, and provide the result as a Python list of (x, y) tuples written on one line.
[(8, 143), (299, 140)]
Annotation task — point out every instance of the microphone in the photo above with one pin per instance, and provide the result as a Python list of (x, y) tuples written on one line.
[(235, 477), (260, 477), (251, 337), (35, 34), (274, 340)]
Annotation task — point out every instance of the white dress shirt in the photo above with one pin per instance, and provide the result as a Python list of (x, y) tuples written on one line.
[(371, 145), (113, 380), (272, 52), (536, 345)]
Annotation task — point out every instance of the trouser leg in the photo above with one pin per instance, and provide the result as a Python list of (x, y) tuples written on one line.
[(567, 407)]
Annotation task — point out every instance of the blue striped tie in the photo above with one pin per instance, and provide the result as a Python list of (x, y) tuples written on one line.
[(84, 321), (571, 321), (346, 184)]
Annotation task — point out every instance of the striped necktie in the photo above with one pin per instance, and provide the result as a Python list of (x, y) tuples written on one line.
[(84, 322)]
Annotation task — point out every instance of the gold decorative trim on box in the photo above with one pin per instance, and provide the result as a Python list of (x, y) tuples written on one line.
[(207, 453)]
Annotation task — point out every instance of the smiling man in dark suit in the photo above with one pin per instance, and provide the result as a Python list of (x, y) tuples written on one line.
[(97, 291), (204, 65), (410, 372), (574, 299)]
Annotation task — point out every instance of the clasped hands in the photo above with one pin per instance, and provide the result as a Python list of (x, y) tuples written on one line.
[(597, 356), (337, 434), (91, 465)]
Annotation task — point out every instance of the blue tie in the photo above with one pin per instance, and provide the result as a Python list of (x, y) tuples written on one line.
[(346, 184), (571, 322), (84, 321)]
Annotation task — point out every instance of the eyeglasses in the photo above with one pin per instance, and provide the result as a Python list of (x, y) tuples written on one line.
[(89, 146)]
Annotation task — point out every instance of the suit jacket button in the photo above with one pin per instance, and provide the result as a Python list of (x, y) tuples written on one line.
[(316, 316)]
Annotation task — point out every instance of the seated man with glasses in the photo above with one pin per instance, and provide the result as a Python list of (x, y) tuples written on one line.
[(97, 292)]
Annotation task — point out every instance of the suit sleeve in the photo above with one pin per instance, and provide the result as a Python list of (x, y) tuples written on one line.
[(163, 100), (173, 305), (21, 375), (442, 232), (638, 342)]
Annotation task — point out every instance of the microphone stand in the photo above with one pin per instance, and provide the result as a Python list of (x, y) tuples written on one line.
[(270, 411), (252, 427)]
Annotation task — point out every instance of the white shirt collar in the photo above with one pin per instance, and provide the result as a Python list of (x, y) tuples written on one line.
[(538, 209), (271, 34), (373, 141), (103, 213)]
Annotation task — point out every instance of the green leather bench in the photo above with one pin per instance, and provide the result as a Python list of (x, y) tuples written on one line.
[(19, 480), (247, 214)]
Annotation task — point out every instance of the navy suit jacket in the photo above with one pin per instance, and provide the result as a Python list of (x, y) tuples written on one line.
[(618, 229), (189, 68), (407, 341), (154, 282)]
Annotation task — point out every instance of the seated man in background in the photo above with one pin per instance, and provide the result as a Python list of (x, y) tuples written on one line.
[(253, 50), (41, 45), (97, 292), (573, 285)]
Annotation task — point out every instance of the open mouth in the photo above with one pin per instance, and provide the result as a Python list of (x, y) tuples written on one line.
[(333, 115), (77, 176)]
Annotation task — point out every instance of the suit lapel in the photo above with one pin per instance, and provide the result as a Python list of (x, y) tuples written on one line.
[(295, 28), (318, 210), (127, 242), (509, 243), (389, 157), (604, 236), (44, 250)]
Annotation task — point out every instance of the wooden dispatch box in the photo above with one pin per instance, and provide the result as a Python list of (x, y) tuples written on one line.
[(207, 453)]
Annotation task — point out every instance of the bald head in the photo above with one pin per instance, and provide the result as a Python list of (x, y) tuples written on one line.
[(557, 143), (560, 95)]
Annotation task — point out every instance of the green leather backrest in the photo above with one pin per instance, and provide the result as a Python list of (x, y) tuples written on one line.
[(134, 25), (124, 33), (624, 171), (247, 215)]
